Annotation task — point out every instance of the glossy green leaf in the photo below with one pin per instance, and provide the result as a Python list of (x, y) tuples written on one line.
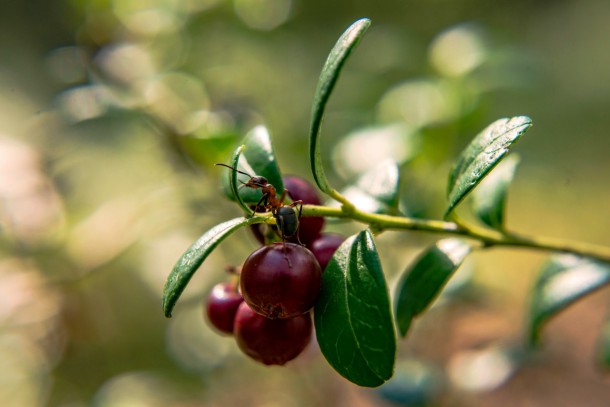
[(423, 281), (489, 198), (330, 73), (353, 316), (484, 152), (376, 191), (192, 259), (258, 158), (563, 280)]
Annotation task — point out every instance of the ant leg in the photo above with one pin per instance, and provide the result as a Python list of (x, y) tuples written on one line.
[(289, 195), (293, 204), (284, 241), (262, 200), (283, 196)]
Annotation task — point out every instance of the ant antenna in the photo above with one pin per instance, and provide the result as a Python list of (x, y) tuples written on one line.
[(236, 170)]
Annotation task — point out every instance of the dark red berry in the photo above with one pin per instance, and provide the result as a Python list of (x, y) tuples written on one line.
[(325, 246), (301, 190), (310, 227), (221, 306), (280, 281), (271, 341)]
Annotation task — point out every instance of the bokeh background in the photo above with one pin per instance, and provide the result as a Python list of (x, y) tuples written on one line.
[(113, 112)]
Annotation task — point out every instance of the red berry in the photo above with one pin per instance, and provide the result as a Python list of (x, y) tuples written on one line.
[(301, 189), (325, 246), (280, 281), (310, 227), (271, 341), (222, 305)]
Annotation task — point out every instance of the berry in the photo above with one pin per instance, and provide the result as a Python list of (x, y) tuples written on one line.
[(221, 306), (325, 246), (280, 281), (310, 227), (271, 341), (301, 189)]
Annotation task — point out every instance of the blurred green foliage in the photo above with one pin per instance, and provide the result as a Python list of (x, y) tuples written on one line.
[(113, 112)]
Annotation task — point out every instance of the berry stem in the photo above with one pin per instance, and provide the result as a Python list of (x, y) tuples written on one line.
[(488, 237)]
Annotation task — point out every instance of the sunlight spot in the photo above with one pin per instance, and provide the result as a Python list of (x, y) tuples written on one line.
[(457, 51), (263, 14)]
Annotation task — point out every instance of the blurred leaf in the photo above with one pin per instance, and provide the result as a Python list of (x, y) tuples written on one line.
[(458, 50), (604, 346), (424, 280), (484, 369), (424, 102), (563, 280), (330, 73), (362, 149), (376, 191), (482, 155), (205, 151), (489, 198), (259, 159), (353, 318), (415, 383), (190, 261)]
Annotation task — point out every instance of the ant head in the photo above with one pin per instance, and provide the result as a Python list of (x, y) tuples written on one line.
[(253, 182), (256, 182)]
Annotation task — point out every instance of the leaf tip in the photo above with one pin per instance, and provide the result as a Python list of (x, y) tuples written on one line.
[(523, 122), (168, 302), (449, 211), (403, 327), (167, 308), (364, 21)]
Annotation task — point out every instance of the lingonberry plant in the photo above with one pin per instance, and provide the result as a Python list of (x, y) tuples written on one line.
[(354, 322)]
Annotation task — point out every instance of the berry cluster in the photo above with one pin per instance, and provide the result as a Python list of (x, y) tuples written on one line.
[(268, 312)]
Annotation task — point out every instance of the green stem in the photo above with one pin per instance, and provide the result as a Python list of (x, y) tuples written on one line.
[(487, 237)]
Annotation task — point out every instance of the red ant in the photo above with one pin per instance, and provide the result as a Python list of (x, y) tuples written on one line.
[(286, 216)]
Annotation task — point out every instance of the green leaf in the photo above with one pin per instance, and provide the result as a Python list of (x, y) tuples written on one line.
[(424, 280), (489, 198), (353, 316), (233, 180), (376, 191), (258, 158), (330, 73), (484, 152), (190, 261), (563, 280)]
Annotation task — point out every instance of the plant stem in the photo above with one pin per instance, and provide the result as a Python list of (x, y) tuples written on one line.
[(488, 237)]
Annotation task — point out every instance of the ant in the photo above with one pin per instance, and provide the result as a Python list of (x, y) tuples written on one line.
[(286, 216)]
